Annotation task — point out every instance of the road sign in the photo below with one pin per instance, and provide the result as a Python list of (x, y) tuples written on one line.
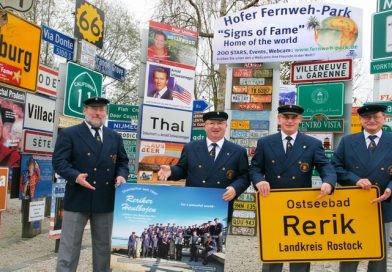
[(109, 68), (89, 23), (63, 45), (322, 99), (382, 35), (381, 66), (124, 113), (47, 81), (384, 5), (35, 142), (19, 54), (321, 123), (81, 83), (200, 105), (342, 226), (39, 113), (123, 126), (24, 5)]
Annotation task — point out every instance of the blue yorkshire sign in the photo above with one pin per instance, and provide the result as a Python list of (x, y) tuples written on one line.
[(109, 68), (63, 45)]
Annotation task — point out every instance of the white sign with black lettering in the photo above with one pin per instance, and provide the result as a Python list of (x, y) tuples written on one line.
[(36, 210), (39, 113), (47, 81), (37, 142), (126, 135), (167, 125)]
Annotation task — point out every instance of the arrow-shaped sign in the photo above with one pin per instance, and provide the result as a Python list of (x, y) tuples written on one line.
[(200, 105)]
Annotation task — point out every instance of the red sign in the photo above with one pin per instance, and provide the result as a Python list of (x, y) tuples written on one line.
[(10, 74), (242, 72), (316, 71), (3, 187)]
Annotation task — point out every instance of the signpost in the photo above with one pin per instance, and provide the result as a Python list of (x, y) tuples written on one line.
[(63, 45), (384, 5), (81, 83), (109, 68), (89, 23), (19, 54), (322, 99), (47, 81), (18, 5), (343, 226), (200, 105)]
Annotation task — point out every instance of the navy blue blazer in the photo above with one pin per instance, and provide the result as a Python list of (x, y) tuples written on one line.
[(270, 164), (76, 151), (352, 162), (199, 169)]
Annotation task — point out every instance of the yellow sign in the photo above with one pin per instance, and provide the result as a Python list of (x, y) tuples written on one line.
[(240, 124), (243, 222), (65, 121), (260, 89), (19, 53), (295, 227), (89, 23), (240, 205)]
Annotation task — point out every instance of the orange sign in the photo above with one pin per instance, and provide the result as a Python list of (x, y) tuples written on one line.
[(19, 53), (3, 187)]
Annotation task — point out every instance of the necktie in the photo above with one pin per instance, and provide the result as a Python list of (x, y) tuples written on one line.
[(97, 136), (372, 145), (289, 146), (156, 95), (213, 151)]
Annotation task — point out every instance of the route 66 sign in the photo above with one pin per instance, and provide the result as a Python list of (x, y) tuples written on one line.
[(89, 23), (19, 5)]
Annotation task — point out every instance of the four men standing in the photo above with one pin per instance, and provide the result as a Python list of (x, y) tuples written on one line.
[(282, 160)]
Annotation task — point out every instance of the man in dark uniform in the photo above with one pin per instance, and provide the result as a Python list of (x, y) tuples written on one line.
[(365, 159), (214, 162), (92, 159), (286, 160)]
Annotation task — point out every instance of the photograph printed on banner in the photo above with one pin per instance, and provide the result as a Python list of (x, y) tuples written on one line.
[(152, 155), (169, 86), (168, 226), (35, 177), (171, 45)]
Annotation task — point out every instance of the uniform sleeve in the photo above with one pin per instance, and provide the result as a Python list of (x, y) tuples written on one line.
[(256, 170), (242, 181), (323, 166), (61, 160)]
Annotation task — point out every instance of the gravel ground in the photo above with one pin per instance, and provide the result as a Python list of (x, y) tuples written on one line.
[(37, 254)]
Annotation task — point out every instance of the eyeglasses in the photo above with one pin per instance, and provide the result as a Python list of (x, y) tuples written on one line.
[(372, 116)]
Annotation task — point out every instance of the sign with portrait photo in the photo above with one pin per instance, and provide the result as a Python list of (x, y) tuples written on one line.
[(168, 86)]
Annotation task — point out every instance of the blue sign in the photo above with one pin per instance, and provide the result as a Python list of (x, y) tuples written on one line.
[(200, 105), (123, 126), (63, 45), (109, 68)]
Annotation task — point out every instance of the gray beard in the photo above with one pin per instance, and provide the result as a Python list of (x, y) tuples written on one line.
[(95, 124)]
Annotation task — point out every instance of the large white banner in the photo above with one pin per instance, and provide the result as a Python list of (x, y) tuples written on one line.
[(288, 32)]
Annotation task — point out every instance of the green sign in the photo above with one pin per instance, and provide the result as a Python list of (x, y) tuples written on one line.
[(326, 98), (381, 66), (130, 149), (198, 134), (384, 5), (123, 112), (382, 35), (321, 123), (388, 104), (81, 83)]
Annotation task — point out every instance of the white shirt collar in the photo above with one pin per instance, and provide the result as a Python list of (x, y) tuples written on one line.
[(378, 134), (91, 128), (219, 143), (284, 135), (161, 92)]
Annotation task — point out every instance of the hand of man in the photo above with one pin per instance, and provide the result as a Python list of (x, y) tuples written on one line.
[(119, 180), (263, 187), (229, 194), (364, 184), (384, 196), (325, 190), (164, 172), (81, 180)]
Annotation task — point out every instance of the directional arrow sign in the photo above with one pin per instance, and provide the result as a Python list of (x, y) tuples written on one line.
[(200, 105)]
